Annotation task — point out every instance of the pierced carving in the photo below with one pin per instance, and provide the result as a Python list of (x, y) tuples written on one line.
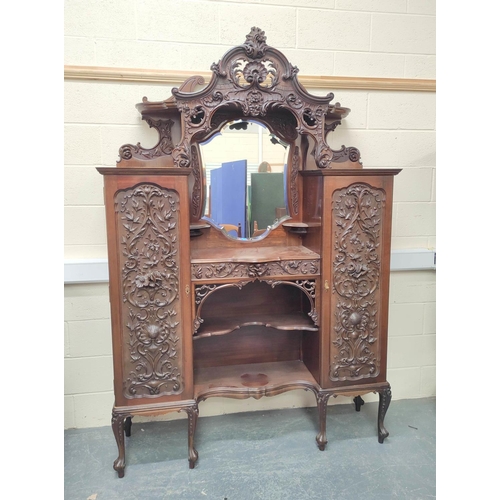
[(357, 220), (162, 148), (309, 289), (245, 74), (254, 270), (202, 292), (254, 79), (150, 290)]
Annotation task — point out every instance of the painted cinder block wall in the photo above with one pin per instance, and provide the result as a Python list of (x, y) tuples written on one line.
[(360, 38)]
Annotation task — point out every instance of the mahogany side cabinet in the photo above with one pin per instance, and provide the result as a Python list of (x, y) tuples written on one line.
[(199, 311)]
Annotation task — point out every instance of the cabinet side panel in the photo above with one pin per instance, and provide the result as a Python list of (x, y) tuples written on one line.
[(147, 235), (313, 206)]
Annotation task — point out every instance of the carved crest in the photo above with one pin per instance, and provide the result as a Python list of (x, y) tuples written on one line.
[(256, 79)]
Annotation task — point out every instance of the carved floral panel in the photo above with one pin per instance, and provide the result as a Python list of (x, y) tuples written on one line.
[(148, 218), (357, 224)]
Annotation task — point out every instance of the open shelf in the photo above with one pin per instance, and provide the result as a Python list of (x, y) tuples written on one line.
[(286, 306), (290, 321), (252, 380)]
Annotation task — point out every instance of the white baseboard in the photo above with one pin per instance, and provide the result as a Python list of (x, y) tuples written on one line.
[(96, 270)]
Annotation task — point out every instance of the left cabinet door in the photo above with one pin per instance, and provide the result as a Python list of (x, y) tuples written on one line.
[(147, 218)]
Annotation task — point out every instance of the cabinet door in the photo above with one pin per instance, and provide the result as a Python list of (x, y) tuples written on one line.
[(359, 218), (148, 240)]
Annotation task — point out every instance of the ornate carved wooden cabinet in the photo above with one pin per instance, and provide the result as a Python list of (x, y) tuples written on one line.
[(197, 310)]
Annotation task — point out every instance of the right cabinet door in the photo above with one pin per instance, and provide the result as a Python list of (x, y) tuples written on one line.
[(356, 264)]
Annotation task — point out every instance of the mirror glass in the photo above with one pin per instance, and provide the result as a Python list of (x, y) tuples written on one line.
[(244, 167)]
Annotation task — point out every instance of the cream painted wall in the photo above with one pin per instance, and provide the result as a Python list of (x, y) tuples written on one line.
[(387, 38)]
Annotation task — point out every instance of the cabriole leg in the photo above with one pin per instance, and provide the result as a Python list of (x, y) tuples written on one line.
[(385, 397), (117, 423), (192, 413), (322, 400)]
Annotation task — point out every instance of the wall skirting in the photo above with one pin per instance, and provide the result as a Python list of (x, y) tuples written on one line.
[(96, 270), (171, 77)]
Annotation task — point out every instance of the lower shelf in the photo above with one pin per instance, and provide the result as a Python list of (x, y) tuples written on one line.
[(252, 380), (291, 321)]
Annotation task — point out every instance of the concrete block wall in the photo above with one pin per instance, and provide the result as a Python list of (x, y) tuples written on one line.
[(359, 38)]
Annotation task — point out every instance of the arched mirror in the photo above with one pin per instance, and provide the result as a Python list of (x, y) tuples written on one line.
[(245, 168)]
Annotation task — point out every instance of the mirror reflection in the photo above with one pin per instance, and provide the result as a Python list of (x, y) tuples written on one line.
[(244, 168)]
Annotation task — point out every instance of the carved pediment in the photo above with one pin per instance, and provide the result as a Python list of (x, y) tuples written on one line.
[(256, 80)]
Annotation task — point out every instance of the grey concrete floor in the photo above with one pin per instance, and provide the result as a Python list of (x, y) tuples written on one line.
[(263, 455)]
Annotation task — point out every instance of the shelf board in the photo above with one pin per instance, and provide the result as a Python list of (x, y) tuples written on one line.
[(252, 255), (252, 380), (302, 224), (222, 326)]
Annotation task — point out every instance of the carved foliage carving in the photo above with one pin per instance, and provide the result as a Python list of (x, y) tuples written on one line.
[(148, 220), (357, 222), (309, 289), (254, 270)]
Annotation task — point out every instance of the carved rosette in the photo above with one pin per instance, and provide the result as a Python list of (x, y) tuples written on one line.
[(357, 222), (254, 270), (148, 220)]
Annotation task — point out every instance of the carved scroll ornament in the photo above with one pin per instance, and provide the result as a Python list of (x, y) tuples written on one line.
[(254, 270), (357, 220), (148, 226), (164, 147)]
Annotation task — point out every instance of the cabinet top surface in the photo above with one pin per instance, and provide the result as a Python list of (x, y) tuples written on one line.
[(262, 254), (351, 172)]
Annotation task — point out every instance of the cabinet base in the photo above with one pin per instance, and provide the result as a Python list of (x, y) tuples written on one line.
[(121, 419)]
